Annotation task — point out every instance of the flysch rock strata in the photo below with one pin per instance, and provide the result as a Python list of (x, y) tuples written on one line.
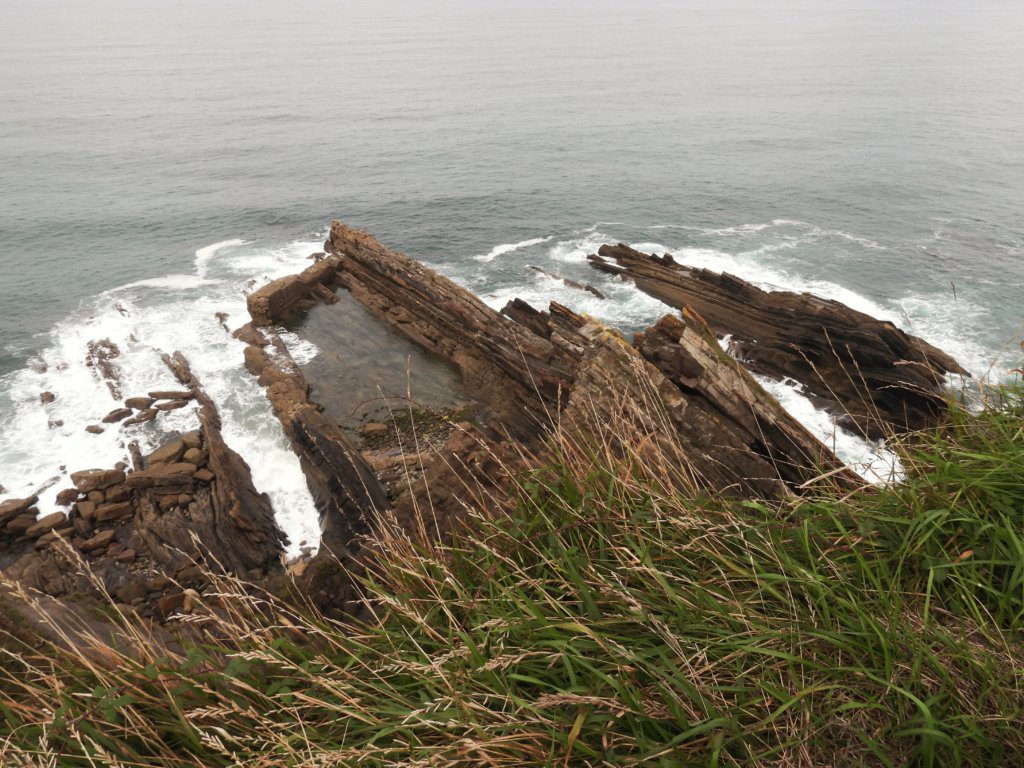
[(151, 531), (149, 534), (873, 376)]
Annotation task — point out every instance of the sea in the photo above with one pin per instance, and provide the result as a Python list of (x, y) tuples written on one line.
[(158, 160)]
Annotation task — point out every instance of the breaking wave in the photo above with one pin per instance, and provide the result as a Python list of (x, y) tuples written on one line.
[(500, 250)]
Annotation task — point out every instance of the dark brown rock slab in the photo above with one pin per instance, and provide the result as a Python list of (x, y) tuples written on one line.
[(46, 524), (171, 394), (11, 508), (176, 474), (65, 497), (96, 479), (171, 405), (99, 541), (168, 453), (520, 376), (873, 375), (142, 417), (274, 303), (343, 486), (737, 435), (118, 414)]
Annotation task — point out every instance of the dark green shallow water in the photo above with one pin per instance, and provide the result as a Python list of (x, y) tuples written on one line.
[(870, 150)]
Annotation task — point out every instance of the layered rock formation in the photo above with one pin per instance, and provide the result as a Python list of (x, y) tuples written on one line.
[(673, 398), (872, 375), (733, 435), (144, 535)]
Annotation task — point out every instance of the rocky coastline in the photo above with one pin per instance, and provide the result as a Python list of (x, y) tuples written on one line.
[(147, 535)]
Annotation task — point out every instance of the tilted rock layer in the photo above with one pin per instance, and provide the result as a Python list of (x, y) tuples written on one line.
[(673, 398)]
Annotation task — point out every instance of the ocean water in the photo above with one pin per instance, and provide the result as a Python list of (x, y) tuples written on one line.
[(157, 160)]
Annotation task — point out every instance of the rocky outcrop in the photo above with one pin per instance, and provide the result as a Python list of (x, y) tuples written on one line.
[(149, 533), (101, 358), (346, 491), (730, 433), (672, 402), (745, 438), (522, 378), (872, 375), (276, 301)]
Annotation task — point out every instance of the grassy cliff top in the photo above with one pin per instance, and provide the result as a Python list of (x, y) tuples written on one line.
[(610, 619)]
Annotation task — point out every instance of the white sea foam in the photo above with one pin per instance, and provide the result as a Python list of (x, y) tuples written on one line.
[(623, 306), (301, 350), (169, 282), (951, 325), (205, 255), (869, 459), (500, 250), (144, 323)]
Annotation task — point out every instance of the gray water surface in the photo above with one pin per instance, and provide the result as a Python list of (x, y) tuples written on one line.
[(871, 150)]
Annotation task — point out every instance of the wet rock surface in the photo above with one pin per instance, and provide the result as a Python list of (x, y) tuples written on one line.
[(145, 535), (476, 400), (872, 375)]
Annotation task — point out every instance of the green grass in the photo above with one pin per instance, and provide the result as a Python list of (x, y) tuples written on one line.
[(608, 620)]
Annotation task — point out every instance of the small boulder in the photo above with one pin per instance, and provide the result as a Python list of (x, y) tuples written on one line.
[(138, 403), (166, 501), (67, 497), (94, 429), (165, 394), (118, 414), (168, 453), (171, 405), (46, 540), (118, 493), (47, 397), (11, 508), (193, 439), (99, 541), (86, 509), (96, 479), (157, 583), (46, 524), (133, 590), (21, 523), (170, 604), (109, 512), (142, 417), (195, 456)]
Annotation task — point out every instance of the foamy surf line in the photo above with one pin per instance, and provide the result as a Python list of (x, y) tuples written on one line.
[(501, 250), (940, 320), (43, 443), (205, 255)]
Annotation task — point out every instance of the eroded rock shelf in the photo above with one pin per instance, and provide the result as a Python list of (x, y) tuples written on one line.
[(422, 402)]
